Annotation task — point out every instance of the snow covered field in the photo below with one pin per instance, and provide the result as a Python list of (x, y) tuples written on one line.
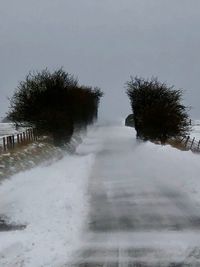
[(159, 185), (196, 130), (7, 129)]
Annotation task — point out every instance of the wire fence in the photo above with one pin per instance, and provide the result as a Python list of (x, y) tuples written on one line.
[(10, 142), (190, 143)]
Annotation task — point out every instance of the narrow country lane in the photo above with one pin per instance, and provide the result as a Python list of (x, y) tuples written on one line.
[(140, 215)]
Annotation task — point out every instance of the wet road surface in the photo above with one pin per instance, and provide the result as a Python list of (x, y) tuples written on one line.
[(137, 217)]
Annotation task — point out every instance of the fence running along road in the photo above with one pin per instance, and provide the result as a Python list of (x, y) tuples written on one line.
[(10, 142), (189, 143)]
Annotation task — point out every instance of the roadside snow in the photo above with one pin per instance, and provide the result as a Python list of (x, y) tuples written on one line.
[(52, 202), (180, 169)]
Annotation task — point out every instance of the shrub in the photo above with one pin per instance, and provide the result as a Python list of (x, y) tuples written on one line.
[(54, 103), (157, 109)]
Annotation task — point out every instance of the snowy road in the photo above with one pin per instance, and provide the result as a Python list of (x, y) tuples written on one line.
[(142, 212)]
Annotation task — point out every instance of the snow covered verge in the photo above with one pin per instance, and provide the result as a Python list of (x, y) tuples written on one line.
[(52, 202), (34, 154), (27, 157), (175, 167)]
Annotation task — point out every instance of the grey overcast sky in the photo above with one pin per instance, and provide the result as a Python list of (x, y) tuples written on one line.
[(102, 42)]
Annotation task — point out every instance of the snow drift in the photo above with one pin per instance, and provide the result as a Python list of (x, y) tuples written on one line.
[(52, 202)]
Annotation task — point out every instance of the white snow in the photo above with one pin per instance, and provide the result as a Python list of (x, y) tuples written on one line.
[(52, 202), (195, 130), (148, 197), (171, 166), (7, 129)]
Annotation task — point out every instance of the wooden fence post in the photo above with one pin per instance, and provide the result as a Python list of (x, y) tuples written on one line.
[(199, 145), (31, 134), (30, 138), (182, 139), (10, 140), (192, 143), (21, 138), (7, 141), (4, 144), (28, 135), (13, 141), (24, 137), (186, 142), (34, 134)]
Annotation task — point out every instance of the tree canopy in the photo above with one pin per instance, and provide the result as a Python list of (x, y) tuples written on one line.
[(158, 112), (54, 103)]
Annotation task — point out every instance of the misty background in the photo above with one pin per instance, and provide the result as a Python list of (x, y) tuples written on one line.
[(102, 42)]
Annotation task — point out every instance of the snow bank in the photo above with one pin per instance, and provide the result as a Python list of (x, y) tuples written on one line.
[(52, 202)]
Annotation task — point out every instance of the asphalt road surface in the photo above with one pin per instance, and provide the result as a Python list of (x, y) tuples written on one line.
[(136, 217)]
